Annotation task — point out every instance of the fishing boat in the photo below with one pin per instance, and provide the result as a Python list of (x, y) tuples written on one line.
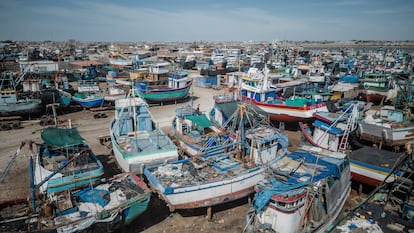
[(225, 105), (114, 92), (388, 126), (391, 204), (377, 86), (137, 140), (117, 58), (196, 134), (305, 192), (258, 89), (369, 165), (65, 98), (13, 102), (162, 85), (112, 203), (88, 95), (217, 177), (66, 160), (373, 167), (331, 130)]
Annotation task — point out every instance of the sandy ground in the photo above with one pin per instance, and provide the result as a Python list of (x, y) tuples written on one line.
[(226, 218)]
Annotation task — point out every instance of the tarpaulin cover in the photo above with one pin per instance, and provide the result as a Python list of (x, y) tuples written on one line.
[(200, 120), (59, 137), (94, 196), (294, 180)]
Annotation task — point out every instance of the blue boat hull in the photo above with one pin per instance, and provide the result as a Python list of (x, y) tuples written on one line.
[(89, 103)]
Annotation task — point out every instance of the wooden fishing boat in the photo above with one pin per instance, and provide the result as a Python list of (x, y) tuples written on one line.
[(163, 86), (373, 167), (259, 90), (113, 203), (218, 177), (305, 192), (137, 141), (88, 95), (387, 126), (377, 86), (66, 160), (13, 102), (369, 165), (196, 134)]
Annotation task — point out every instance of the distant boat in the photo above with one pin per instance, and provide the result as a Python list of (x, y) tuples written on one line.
[(377, 86), (117, 58), (113, 202), (65, 98), (114, 92), (264, 95), (305, 192), (14, 103), (217, 177), (88, 95), (66, 160), (163, 86), (137, 140), (373, 167)]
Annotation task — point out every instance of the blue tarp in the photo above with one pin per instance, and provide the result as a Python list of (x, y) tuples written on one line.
[(327, 127), (294, 180), (94, 196), (262, 198)]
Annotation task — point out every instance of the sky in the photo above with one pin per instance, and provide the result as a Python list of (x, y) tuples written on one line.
[(206, 20)]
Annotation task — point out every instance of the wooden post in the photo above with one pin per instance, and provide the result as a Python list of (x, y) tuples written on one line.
[(209, 214), (359, 189)]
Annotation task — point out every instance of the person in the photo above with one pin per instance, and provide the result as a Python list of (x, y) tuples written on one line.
[(92, 70), (197, 111)]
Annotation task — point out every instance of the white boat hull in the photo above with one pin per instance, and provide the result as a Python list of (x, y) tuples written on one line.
[(213, 193)]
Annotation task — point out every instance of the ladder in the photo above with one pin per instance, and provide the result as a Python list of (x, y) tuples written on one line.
[(350, 126)]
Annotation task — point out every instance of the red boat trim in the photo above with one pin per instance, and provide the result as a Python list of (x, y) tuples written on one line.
[(288, 199), (365, 179)]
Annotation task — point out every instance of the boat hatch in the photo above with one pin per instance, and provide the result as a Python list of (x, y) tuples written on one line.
[(224, 164)]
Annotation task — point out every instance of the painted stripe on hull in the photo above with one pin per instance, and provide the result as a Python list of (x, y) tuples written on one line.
[(368, 176), (154, 96), (89, 103), (285, 113)]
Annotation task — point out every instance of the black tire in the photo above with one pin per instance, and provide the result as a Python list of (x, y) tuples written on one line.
[(50, 121), (331, 106), (42, 122), (4, 126), (15, 125)]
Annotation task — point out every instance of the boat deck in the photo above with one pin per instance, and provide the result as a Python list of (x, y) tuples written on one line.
[(145, 142), (197, 172)]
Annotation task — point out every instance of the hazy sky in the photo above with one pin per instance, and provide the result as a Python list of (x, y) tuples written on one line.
[(206, 20)]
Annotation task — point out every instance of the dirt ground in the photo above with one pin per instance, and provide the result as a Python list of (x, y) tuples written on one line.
[(226, 218)]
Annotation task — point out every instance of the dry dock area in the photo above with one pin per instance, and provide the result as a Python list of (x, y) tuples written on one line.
[(157, 218)]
